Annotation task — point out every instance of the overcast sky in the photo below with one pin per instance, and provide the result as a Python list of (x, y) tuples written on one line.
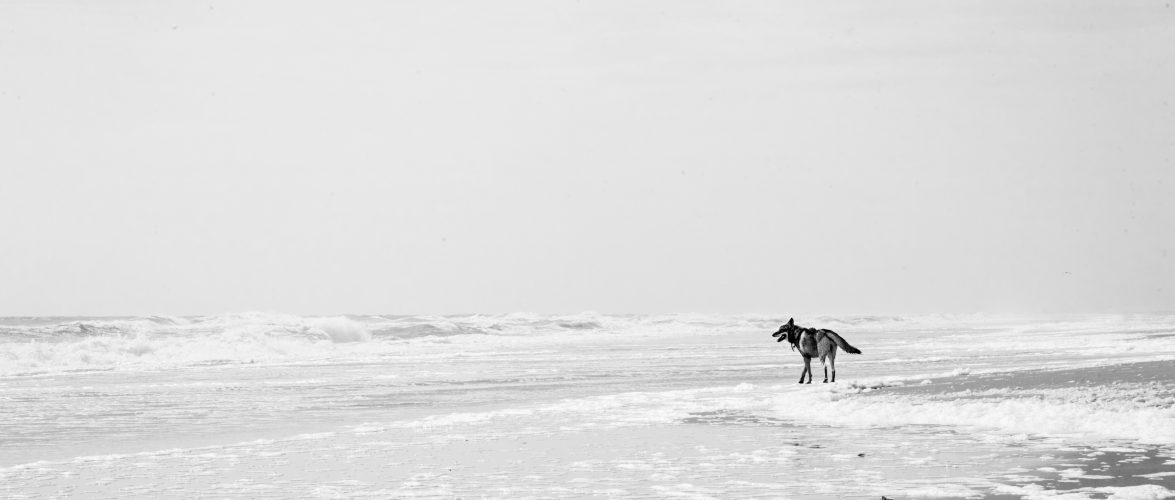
[(165, 157)]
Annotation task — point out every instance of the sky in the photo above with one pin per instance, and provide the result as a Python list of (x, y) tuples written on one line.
[(165, 157)]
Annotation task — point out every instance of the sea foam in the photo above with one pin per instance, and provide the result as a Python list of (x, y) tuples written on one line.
[(342, 329), (148, 343)]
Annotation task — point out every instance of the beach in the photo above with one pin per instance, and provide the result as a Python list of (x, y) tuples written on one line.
[(264, 405)]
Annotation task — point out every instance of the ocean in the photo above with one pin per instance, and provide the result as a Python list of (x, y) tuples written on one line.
[(263, 405)]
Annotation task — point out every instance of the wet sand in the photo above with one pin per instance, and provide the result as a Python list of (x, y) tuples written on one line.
[(1090, 470), (1160, 373)]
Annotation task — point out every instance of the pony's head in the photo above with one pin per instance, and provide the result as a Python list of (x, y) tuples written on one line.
[(787, 332)]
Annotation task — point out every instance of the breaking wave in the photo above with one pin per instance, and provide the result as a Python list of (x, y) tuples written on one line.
[(342, 329), (32, 345)]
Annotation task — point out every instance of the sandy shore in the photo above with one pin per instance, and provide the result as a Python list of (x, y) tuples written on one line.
[(1158, 373), (702, 407), (1092, 470)]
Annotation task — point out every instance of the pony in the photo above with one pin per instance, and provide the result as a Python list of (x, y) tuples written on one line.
[(814, 342)]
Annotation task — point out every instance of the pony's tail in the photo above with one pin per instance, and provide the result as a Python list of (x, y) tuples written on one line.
[(841, 342)]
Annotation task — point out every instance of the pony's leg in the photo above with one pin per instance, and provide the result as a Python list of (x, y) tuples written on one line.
[(808, 367), (832, 362), (805, 370), (825, 371)]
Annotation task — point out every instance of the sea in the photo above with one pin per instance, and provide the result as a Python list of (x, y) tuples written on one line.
[(588, 405)]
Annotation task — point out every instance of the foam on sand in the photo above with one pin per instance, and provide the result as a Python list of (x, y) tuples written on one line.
[(1138, 492), (1011, 416)]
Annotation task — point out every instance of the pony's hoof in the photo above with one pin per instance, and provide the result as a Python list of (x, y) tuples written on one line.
[(825, 381)]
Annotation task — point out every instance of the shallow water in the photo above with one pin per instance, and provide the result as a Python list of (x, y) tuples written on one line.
[(512, 406)]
